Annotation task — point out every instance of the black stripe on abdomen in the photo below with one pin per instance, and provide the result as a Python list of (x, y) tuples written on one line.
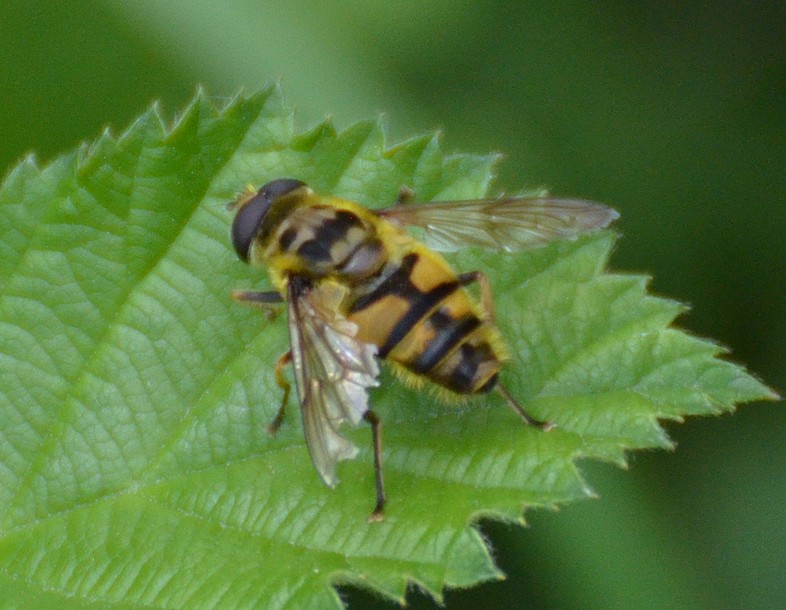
[(463, 377), (399, 284), (419, 306), (447, 336)]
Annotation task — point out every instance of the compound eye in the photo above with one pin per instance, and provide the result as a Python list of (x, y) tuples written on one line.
[(246, 224), (249, 217), (280, 187)]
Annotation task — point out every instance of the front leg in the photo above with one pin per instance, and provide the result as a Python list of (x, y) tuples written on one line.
[(268, 300)]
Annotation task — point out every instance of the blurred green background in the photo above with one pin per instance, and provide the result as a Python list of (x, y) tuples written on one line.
[(674, 113)]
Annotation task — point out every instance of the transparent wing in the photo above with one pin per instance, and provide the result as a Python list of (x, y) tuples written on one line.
[(332, 371), (507, 223)]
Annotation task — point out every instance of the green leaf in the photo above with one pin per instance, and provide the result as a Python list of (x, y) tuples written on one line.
[(134, 466)]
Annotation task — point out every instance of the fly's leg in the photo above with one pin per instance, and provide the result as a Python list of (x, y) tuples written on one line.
[(405, 195), (376, 436), (528, 419), (486, 298), (268, 297), (268, 301), (282, 383), (487, 303)]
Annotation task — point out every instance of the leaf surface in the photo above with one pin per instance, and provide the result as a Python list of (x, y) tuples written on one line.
[(134, 466)]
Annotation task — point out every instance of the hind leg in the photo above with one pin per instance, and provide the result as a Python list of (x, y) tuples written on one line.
[(521, 412), (487, 303), (486, 297)]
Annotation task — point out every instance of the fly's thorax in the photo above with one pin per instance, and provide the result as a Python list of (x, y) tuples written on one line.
[(418, 315), (322, 237)]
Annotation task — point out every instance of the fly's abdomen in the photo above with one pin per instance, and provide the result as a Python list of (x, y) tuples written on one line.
[(452, 348), (419, 316)]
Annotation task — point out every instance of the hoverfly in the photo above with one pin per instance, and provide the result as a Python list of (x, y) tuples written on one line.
[(358, 288)]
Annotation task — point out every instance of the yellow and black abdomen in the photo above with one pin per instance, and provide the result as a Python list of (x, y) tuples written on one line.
[(419, 316)]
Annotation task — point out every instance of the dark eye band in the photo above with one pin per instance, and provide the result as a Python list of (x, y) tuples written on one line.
[(250, 216)]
